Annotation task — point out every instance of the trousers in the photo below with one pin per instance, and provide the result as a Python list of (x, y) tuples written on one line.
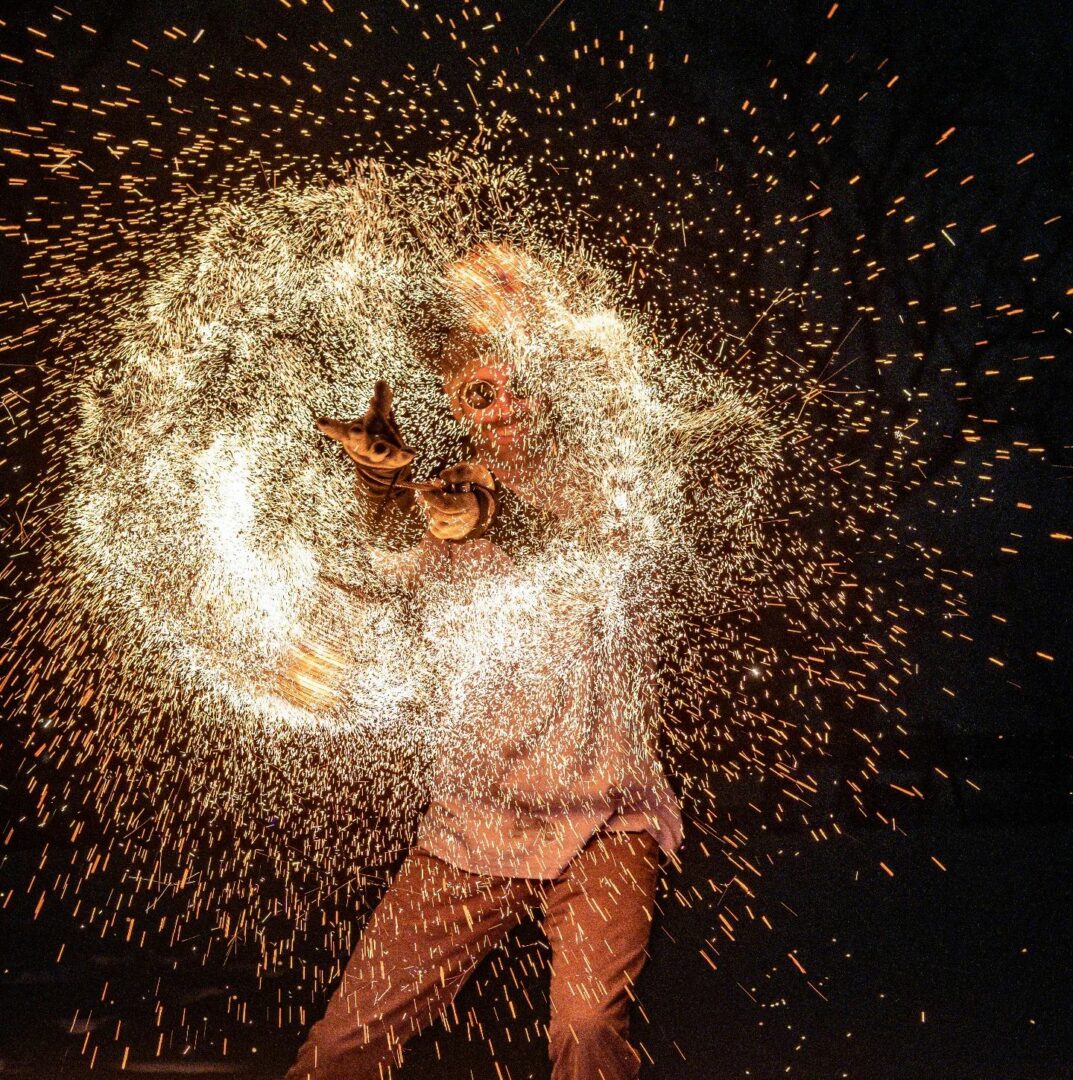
[(436, 922)]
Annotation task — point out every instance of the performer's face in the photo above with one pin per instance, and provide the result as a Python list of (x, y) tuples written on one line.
[(485, 400)]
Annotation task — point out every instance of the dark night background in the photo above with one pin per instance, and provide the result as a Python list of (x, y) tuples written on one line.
[(961, 974)]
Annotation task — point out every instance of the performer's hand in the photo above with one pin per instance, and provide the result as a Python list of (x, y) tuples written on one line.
[(374, 441), (463, 508)]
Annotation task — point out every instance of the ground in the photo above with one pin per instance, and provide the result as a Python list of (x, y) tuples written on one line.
[(975, 988)]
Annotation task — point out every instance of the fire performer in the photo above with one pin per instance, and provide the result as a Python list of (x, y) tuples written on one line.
[(569, 832)]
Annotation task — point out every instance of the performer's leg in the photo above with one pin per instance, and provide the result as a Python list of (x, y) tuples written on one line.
[(599, 915), (432, 927)]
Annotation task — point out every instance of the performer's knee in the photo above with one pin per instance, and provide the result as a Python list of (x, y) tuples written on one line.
[(582, 1026)]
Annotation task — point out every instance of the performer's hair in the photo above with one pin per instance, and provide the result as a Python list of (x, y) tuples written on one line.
[(442, 322)]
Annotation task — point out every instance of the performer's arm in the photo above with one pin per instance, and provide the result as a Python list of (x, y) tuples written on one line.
[(383, 464), (460, 504)]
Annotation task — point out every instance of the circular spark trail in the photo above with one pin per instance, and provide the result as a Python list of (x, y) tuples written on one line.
[(210, 544), (211, 531)]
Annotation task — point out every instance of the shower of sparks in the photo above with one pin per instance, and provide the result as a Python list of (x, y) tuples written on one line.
[(230, 695), (210, 530)]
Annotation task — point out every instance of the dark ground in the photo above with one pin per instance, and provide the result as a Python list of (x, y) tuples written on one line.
[(976, 985)]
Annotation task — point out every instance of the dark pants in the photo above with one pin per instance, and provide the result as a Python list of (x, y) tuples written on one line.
[(435, 924)]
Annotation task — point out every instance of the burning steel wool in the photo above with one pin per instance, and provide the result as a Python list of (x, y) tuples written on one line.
[(215, 534), (262, 684)]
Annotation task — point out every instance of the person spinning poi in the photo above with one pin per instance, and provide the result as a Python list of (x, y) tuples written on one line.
[(574, 833)]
